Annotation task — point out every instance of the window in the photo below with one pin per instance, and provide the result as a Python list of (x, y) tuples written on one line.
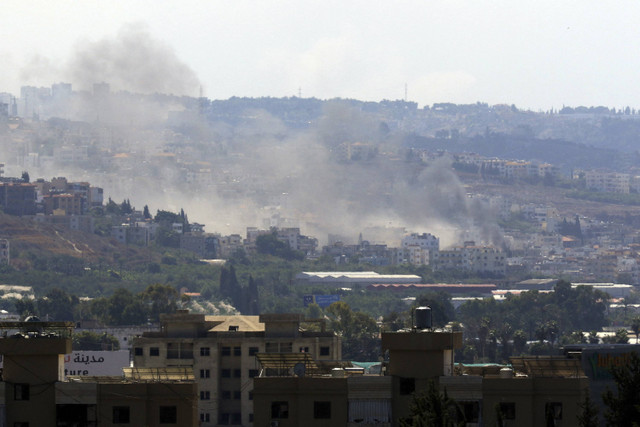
[(226, 394), (204, 351), (223, 419), (508, 410), (137, 351), (205, 418), (186, 350), (237, 373), (236, 418), (236, 395), (205, 373), (553, 409), (225, 373), (286, 347), (251, 417), (154, 351), (322, 410), (280, 409), (121, 415), (225, 351), (407, 385), (253, 373), (272, 347), (303, 349), (168, 415), (471, 411), (237, 351), (205, 395), (324, 351), (20, 424), (21, 391), (250, 395), (253, 351)]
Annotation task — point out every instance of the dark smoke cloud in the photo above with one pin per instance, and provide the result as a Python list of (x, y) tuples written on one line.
[(132, 61)]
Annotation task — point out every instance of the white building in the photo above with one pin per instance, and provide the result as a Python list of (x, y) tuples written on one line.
[(608, 182)]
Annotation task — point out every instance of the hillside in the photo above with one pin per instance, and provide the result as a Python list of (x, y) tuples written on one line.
[(30, 241)]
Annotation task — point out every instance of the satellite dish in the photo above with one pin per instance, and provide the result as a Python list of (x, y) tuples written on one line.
[(299, 369)]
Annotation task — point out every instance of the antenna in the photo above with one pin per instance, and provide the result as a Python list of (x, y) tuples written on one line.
[(299, 92), (405, 92)]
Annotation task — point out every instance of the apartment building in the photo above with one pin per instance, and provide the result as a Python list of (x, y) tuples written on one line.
[(478, 259), (17, 198), (609, 182), (228, 245), (223, 353), (526, 393), (35, 392)]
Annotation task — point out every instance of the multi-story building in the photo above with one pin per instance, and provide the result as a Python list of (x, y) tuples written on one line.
[(609, 182), (205, 245), (424, 240), (229, 244), (65, 204), (222, 352), (17, 198), (529, 392), (478, 259), (139, 233), (34, 390)]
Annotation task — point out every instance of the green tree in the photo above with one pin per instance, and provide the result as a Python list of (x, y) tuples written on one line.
[(125, 207), (91, 341), (623, 407), (358, 330), (431, 408), (112, 208), (588, 417), (161, 299), (271, 245), (442, 310), (621, 337), (519, 341), (124, 308), (57, 305)]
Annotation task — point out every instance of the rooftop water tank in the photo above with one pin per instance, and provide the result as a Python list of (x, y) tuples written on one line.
[(423, 318)]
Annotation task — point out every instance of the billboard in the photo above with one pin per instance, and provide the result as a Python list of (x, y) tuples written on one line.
[(322, 300), (94, 363)]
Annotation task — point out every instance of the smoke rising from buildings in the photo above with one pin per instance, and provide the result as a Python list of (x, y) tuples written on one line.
[(132, 61), (341, 175)]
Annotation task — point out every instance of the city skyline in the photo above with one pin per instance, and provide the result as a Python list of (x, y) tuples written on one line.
[(538, 56)]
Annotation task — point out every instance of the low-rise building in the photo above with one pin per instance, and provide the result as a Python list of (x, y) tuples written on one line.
[(353, 278), (35, 392)]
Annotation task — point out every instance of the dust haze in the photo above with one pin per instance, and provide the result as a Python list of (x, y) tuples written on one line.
[(162, 151)]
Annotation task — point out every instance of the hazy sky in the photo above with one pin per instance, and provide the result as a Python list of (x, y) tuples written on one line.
[(535, 54)]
